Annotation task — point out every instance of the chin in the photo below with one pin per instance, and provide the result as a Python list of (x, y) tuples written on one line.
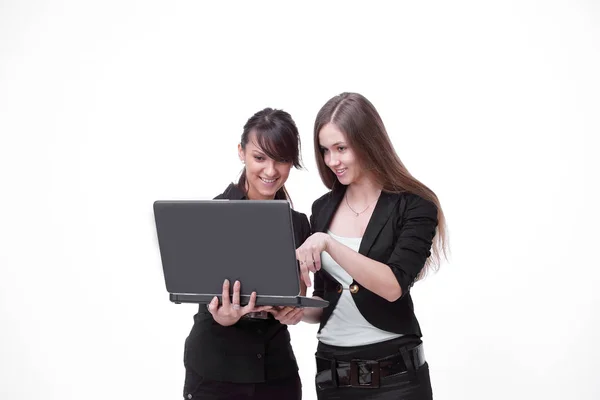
[(344, 180), (269, 193)]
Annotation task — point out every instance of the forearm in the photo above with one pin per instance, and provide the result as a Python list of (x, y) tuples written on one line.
[(312, 315), (373, 275)]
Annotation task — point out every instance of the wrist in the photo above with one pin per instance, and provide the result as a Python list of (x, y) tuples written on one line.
[(328, 242)]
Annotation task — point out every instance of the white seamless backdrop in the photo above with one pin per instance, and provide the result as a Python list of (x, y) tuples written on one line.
[(108, 106)]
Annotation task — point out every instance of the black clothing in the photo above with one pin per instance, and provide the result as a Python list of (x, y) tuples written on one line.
[(196, 387), (250, 351)]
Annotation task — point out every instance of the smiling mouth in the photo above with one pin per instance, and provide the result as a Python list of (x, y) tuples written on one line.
[(268, 181), (340, 171)]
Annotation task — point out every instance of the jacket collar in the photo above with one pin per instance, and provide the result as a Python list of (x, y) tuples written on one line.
[(233, 192), (383, 209)]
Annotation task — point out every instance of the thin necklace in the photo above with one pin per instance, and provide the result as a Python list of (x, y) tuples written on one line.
[(353, 210)]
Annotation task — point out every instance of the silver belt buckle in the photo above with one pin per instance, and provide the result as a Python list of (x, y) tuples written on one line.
[(257, 315)]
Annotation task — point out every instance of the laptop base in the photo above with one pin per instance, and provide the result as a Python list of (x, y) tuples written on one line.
[(277, 301)]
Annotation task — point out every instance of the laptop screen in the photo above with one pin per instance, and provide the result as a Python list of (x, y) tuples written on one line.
[(203, 242)]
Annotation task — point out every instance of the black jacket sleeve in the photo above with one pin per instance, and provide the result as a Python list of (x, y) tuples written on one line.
[(416, 232)]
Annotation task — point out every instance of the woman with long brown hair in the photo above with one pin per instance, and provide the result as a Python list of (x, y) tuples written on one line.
[(375, 233)]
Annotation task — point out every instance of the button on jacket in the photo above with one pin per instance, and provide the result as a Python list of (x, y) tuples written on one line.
[(399, 234), (250, 351)]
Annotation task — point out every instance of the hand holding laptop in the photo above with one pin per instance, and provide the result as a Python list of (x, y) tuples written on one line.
[(230, 312), (287, 315)]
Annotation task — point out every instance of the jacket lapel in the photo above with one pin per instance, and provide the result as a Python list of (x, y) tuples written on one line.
[(383, 209), (323, 220)]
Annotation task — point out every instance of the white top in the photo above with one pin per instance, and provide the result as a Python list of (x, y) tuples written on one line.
[(346, 326)]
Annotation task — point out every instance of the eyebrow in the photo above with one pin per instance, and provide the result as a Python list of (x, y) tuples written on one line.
[(335, 144)]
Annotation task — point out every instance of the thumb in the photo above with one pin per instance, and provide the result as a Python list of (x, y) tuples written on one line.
[(213, 305)]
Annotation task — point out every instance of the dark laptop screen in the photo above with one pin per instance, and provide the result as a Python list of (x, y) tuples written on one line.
[(203, 242)]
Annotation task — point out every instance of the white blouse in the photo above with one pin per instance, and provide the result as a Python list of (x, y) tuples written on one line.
[(346, 325)]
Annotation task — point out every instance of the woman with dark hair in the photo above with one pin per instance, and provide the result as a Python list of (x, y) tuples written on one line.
[(235, 352), (374, 233)]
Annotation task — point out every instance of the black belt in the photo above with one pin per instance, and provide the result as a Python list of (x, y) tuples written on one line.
[(367, 373)]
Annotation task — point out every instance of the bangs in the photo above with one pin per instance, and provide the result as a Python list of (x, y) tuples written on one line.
[(279, 145)]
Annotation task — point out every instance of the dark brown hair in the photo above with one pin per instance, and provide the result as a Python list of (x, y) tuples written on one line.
[(277, 136), (358, 119)]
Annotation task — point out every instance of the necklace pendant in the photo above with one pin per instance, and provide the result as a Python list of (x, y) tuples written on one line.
[(356, 214)]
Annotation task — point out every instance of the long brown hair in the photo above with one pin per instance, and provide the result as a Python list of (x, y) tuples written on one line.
[(277, 135), (365, 132)]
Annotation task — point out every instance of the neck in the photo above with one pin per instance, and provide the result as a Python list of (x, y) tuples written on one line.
[(363, 192), (253, 195)]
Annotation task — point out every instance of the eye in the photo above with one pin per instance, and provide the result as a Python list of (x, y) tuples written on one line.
[(341, 148), (324, 150), (259, 158)]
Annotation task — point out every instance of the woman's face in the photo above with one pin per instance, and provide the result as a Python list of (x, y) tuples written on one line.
[(264, 176), (338, 156)]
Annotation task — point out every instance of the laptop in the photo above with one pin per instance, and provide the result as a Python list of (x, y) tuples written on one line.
[(204, 242)]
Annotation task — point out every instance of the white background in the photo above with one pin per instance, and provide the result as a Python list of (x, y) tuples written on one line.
[(108, 106)]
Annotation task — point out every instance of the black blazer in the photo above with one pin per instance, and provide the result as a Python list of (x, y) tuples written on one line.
[(250, 351), (399, 234)]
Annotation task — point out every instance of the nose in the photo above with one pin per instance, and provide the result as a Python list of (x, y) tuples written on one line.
[(270, 169), (331, 160)]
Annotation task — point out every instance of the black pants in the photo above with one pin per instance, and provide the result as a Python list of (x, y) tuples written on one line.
[(196, 387), (409, 385)]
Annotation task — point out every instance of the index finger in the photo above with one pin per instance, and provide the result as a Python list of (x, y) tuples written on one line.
[(225, 294), (305, 276)]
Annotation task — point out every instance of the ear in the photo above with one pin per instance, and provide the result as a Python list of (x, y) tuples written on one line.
[(241, 152)]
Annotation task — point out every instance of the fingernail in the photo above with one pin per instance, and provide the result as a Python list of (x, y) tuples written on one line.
[(226, 282)]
